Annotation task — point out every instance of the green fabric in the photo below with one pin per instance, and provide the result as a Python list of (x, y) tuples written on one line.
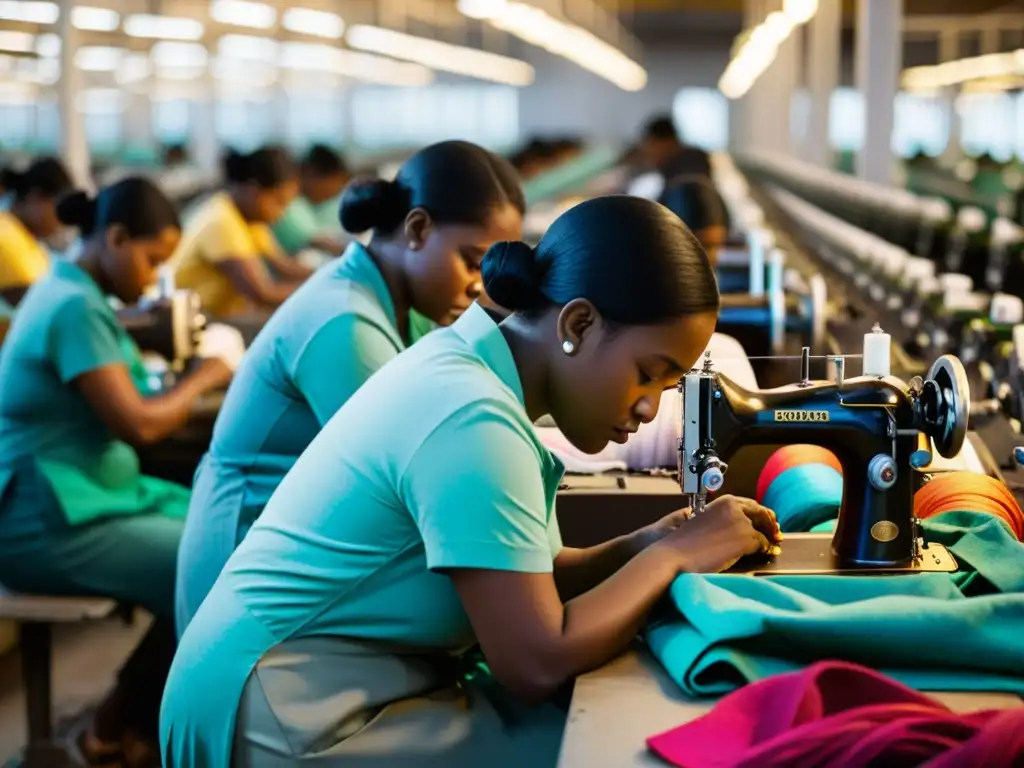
[(931, 631), (432, 464), (63, 329), (302, 221), (569, 176), (316, 351)]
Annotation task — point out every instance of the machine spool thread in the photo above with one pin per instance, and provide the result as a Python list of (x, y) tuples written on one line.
[(969, 492)]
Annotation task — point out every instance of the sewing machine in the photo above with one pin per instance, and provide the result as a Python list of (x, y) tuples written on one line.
[(875, 424), (169, 324)]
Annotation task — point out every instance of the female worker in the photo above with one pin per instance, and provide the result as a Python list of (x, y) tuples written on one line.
[(695, 200), (421, 520), (30, 221), (228, 254), (76, 517), (431, 227), (311, 221)]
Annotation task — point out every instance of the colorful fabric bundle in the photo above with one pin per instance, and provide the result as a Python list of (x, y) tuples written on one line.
[(842, 716), (954, 491), (803, 484)]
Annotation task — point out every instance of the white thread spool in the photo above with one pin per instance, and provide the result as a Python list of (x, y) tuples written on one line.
[(1006, 309), (877, 346)]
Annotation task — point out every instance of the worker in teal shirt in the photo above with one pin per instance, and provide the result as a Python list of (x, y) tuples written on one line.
[(421, 521), (76, 515), (311, 221), (431, 227)]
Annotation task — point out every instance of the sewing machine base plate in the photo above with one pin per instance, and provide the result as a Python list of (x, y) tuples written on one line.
[(810, 554)]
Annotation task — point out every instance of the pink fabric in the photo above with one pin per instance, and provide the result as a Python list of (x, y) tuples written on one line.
[(840, 715)]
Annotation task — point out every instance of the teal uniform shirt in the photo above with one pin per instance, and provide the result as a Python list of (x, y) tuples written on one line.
[(302, 221), (319, 347), (432, 464), (60, 467)]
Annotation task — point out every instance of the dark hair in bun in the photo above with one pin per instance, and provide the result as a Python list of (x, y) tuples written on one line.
[(46, 176), (135, 203), (267, 167), (456, 182), (512, 276), (631, 258)]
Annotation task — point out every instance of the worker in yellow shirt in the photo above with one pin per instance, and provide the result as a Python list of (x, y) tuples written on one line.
[(228, 254), (31, 219)]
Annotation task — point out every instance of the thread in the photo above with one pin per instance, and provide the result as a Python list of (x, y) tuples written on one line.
[(969, 492), (803, 485), (877, 353)]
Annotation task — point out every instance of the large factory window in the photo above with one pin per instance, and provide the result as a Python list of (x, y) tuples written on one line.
[(16, 124), (244, 124), (701, 116), (103, 112), (171, 120), (920, 124), (988, 124), (1020, 126), (392, 117), (314, 116), (846, 120)]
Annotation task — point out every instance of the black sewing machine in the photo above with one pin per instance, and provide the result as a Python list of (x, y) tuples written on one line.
[(874, 425), (169, 324)]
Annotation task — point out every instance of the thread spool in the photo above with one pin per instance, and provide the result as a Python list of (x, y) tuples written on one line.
[(877, 345), (1006, 309), (970, 492), (803, 484)]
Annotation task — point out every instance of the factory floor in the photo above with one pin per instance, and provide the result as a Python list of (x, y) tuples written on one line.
[(86, 659)]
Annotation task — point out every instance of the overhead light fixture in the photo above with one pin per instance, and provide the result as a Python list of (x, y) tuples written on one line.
[(569, 41), (992, 65), (16, 42), (29, 11), (247, 47), (243, 13), (135, 68), (100, 101), (99, 58), (169, 53), (318, 57), (95, 19), (48, 46), (757, 49), (305, 21), (445, 57), (163, 27)]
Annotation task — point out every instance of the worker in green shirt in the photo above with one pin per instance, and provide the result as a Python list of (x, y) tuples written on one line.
[(311, 221)]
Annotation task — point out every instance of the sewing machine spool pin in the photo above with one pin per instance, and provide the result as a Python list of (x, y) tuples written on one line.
[(874, 424)]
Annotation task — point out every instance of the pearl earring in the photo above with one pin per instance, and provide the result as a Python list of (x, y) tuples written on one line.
[(568, 347)]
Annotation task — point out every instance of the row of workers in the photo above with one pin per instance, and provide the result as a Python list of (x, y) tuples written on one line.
[(73, 495)]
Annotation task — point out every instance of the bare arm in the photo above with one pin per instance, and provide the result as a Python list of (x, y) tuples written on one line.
[(250, 278), (289, 269), (139, 420)]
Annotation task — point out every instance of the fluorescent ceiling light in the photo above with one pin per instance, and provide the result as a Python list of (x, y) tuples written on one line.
[(305, 21), (99, 58), (95, 19), (441, 56), (247, 47), (758, 48), (800, 11), (318, 57), (48, 46), (993, 65), (16, 42), (569, 41), (29, 11), (163, 27), (242, 13), (177, 54), (135, 68)]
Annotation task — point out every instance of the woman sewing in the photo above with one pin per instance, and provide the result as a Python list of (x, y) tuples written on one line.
[(421, 521), (431, 227), (311, 221), (695, 200), (228, 254), (76, 516), (29, 223)]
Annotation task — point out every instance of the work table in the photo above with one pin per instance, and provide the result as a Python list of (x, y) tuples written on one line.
[(617, 707)]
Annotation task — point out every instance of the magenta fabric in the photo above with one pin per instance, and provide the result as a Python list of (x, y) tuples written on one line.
[(840, 715)]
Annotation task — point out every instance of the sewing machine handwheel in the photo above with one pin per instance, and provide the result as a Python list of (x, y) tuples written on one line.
[(949, 376)]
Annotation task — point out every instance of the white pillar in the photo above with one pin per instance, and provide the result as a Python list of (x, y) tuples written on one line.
[(949, 50), (824, 40), (205, 146), (879, 60), (138, 119), (74, 146), (754, 100)]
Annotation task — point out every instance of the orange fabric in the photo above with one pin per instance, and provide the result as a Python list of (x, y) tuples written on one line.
[(973, 492), (793, 456)]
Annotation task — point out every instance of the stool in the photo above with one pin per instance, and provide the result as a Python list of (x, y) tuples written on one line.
[(35, 616)]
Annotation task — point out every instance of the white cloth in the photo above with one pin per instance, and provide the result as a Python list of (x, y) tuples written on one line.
[(655, 445), (222, 341)]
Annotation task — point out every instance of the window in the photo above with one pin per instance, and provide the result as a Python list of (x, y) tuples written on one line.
[(314, 116), (920, 124), (987, 124), (846, 120), (701, 116), (400, 117), (171, 120), (16, 124), (244, 124)]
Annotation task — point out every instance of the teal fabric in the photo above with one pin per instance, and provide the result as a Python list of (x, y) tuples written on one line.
[(433, 464), (64, 479), (302, 221), (950, 632), (318, 348)]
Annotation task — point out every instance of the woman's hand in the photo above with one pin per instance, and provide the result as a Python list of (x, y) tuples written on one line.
[(729, 528), (644, 537)]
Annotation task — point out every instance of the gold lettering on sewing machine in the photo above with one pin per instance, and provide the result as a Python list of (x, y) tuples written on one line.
[(802, 416)]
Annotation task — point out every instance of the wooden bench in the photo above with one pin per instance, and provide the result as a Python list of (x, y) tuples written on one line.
[(36, 617)]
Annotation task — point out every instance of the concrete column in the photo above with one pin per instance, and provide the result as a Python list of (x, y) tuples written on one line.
[(879, 58), (949, 50), (824, 41), (74, 146)]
